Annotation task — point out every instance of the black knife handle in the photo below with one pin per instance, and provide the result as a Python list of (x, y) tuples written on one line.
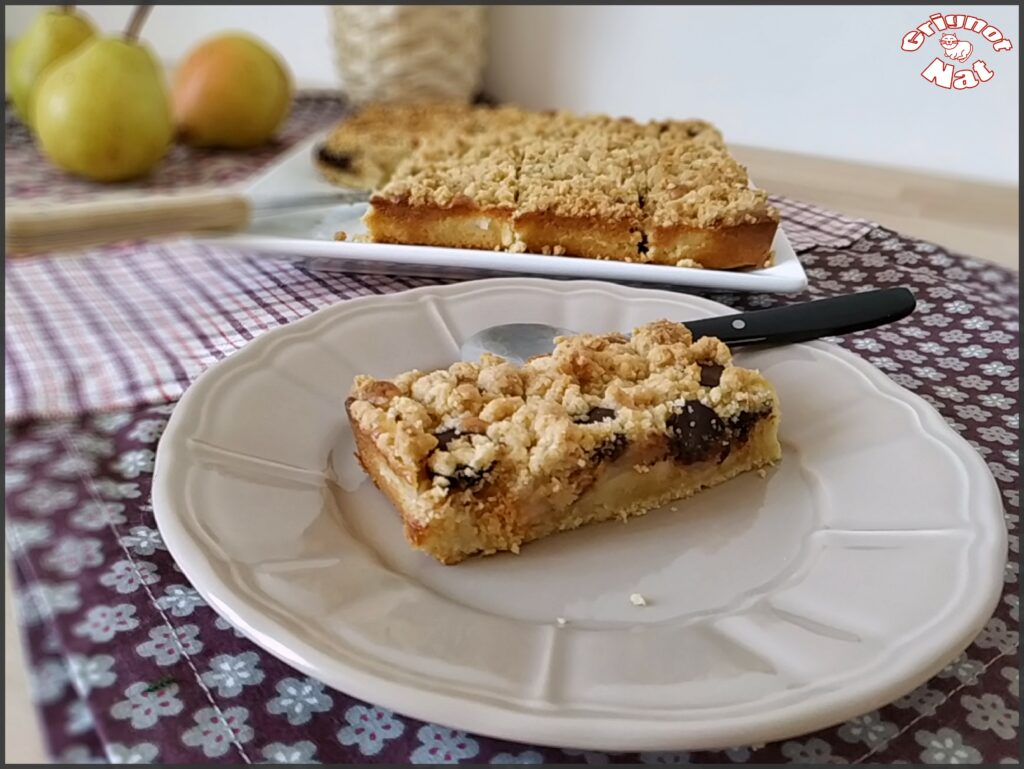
[(810, 320)]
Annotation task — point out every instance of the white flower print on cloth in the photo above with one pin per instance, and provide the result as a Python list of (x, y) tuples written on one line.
[(738, 755), (111, 423), (932, 348), (27, 453), (927, 372), (997, 635), (44, 601), (147, 430), (659, 757), (891, 337), (884, 362), (1013, 457), (905, 380), (945, 746), (1011, 572), (441, 745), (526, 757), (132, 464), (814, 751), (997, 434), (299, 699), (166, 645), (911, 356), (973, 350), (93, 516), (143, 753), (999, 472), (143, 540), (912, 332), (216, 733), (959, 307), (369, 728), (128, 576), (145, 704), (964, 670), (230, 673), (88, 673), (954, 364), (102, 623), (934, 320), (21, 535), (47, 498), (996, 337), (1013, 676), (180, 600), (973, 382), (989, 713), (15, 478), (88, 443), (71, 556), (301, 752), (79, 718), (115, 490), (971, 411), (869, 729), (924, 700), (222, 624), (867, 343), (1013, 601), (997, 369), (72, 466), (996, 401), (950, 393), (48, 681)]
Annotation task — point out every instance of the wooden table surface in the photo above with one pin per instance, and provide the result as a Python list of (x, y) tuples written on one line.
[(973, 217)]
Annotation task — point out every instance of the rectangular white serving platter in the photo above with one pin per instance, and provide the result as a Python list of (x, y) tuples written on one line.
[(307, 233)]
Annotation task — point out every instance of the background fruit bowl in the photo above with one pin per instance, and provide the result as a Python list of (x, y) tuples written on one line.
[(100, 106)]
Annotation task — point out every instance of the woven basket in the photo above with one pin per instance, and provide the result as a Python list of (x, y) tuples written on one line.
[(396, 53)]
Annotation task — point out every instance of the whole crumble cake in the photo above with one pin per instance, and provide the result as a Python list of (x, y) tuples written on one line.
[(482, 458), (503, 178)]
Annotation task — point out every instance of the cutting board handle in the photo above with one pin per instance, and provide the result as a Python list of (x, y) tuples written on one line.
[(59, 227)]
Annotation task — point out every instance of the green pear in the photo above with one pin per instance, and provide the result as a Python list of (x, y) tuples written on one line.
[(52, 36), (103, 112)]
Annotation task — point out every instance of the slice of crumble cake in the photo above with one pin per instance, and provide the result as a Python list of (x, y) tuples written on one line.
[(504, 178), (482, 458)]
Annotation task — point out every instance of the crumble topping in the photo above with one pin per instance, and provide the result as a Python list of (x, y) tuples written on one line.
[(667, 173), (714, 205), (455, 172), (454, 427)]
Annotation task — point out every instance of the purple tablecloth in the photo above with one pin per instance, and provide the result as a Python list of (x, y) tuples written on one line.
[(129, 664)]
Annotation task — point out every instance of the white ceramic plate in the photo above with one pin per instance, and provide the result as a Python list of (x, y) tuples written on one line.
[(862, 564), (309, 233)]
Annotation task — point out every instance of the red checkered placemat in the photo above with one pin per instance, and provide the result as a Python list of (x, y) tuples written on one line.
[(118, 327)]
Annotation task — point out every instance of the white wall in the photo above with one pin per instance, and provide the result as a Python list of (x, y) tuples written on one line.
[(821, 80), (301, 33)]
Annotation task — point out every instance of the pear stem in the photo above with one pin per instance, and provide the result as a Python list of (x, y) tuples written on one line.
[(138, 18), (67, 8)]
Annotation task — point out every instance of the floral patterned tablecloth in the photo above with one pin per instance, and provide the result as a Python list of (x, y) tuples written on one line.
[(130, 665)]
